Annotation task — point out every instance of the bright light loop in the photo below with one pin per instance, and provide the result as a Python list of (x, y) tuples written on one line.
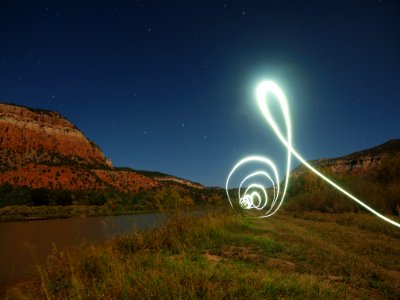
[(251, 198)]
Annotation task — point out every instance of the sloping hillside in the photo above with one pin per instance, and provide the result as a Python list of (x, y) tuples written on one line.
[(372, 175), (357, 163), (40, 149)]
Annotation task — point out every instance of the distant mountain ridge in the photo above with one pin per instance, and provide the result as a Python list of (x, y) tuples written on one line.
[(357, 163), (42, 149)]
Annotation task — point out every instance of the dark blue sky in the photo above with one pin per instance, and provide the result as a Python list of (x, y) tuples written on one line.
[(168, 85)]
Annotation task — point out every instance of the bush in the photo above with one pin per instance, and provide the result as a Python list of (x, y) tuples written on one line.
[(63, 197), (14, 195), (39, 197), (309, 193)]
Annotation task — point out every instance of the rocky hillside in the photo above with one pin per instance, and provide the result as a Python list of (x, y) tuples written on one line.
[(42, 149), (372, 175), (357, 163)]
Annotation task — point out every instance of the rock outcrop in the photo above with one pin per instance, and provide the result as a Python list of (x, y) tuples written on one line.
[(42, 149), (179, 181), (40, 136), (357, 163)]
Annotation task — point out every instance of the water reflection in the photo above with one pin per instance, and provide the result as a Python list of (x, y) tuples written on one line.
[(24, 245)]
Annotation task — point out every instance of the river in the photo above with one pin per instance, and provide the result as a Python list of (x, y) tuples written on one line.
[(24, 245)]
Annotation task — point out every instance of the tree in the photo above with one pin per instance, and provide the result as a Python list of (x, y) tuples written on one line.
[(63, 197), (39, 197)]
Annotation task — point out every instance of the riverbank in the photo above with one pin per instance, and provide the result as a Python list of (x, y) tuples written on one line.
[(29, 213), (223, 256)]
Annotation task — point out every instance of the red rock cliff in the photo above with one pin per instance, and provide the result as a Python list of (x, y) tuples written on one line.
[(39, 136), (42, 149)]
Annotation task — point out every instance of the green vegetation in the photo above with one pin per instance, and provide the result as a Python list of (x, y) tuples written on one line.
[(222, 256), (11, 195), (27, 213), (23, 203), (379, 189)]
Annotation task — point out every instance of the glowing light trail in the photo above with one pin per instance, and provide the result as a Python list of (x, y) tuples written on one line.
[(251, 198)]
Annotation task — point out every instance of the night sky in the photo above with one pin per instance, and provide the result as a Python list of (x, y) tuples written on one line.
[(169, 85)]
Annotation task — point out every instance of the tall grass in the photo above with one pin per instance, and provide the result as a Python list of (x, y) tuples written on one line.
[(222, 256)]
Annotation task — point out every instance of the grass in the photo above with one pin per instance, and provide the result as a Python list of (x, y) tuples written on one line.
[(45, 212), (222, 256)]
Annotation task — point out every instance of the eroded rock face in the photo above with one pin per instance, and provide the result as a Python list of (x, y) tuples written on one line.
[(340, 166), (126, 181), (42, 149), (357, 163), (75, 178), (29, 136), (179, 180)]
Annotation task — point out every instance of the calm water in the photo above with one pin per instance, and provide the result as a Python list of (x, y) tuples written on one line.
[(25, 244)]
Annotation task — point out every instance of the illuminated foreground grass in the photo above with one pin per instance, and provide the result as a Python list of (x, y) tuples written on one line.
[(219, 256)]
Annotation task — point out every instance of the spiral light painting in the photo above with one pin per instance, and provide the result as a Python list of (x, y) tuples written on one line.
[(260, 190)]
